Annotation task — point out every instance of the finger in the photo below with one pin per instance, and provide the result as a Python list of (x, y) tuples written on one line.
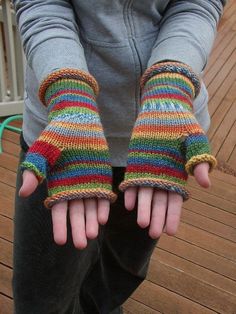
[(175, 202), (29, 185), (158, 216), (59, 213), (77, 221), (91, 218), (144, 206), (130, 197), (103, 211), (201, 174)]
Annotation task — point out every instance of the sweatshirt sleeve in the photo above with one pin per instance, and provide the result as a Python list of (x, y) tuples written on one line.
[(187, 32), (50, 35)]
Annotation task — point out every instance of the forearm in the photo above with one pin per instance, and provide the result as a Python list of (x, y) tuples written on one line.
[(187, 33), (49, 35)]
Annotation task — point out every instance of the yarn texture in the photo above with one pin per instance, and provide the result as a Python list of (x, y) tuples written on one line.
[(167, 141), (72, 152)]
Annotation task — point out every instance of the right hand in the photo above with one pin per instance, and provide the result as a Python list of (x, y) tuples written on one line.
[(72, 155), (85, 214)]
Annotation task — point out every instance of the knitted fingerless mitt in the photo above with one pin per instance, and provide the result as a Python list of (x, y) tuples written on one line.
[(167, 141), (71, 153)]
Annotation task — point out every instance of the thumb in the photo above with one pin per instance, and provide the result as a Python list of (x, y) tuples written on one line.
[(30, 183), (201, 174)]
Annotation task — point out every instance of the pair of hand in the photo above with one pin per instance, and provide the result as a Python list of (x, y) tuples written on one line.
[(157, 209)]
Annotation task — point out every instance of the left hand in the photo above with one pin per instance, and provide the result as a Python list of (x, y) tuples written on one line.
[(160, 209)]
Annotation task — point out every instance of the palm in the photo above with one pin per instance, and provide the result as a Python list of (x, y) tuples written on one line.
[(85, 215), (159, 209)]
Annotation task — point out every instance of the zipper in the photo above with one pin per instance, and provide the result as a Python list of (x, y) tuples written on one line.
[(131, 31), (131, 38)]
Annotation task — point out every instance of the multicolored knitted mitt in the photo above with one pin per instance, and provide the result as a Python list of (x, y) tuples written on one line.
[(167, 141), (71, 152)]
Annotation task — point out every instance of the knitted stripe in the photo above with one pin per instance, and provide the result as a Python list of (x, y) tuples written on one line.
[(175, 68), (163, 184), (85, 192), (80, 166), (67, 73), (158, 144)]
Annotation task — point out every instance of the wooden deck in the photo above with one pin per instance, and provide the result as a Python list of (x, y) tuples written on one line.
[(195, 271)]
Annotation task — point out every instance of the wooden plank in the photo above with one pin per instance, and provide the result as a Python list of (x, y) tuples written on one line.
[(10, 49), (12, 16), (7, 176), (199, 256), (232, 159), (209, 225), (196, 265), (222, 101), (6, 305), (6, 249), (5, 282), (133, 307), (9, 161), (229, 5), (17, 123), (200, 273), (222, 58), (206, 210), (227, 20), (7, 206), (223, 30), (217, 51), (6, 228), (228, 144), (223, 130), (7, 191), (224, 177), (190, 287), (10, 148), (3, 89), (11, 107), (222, 75), (211, 199), (207, 241), (226, 191), (11, 136), (166, 301)]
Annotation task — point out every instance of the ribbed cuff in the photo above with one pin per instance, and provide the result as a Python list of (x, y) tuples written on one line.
[(172, 67), (67, 74)]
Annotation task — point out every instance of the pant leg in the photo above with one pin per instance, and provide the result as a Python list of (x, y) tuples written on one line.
[(46, 277), (123, 262)]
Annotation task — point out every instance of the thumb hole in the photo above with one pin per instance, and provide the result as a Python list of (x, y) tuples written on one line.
[(29, 185)]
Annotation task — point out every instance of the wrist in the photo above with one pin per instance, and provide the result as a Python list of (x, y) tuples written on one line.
[(168, 92), (69, 97), (69, 91)]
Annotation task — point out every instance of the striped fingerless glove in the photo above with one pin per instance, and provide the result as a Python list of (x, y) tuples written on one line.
[(167, 141), (71, 153)]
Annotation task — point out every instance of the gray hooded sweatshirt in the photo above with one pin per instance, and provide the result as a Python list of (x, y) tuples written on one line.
[(115, 41)]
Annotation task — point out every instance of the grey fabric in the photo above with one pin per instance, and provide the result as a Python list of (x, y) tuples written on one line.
[(115, 41)]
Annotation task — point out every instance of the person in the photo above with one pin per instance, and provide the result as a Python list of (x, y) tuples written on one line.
[(114, 121)]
